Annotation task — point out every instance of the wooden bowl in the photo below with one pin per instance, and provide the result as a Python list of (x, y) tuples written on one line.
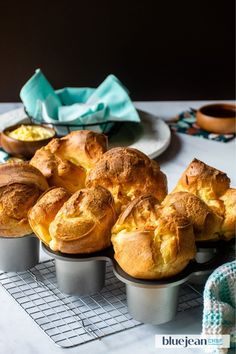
[(20, 148), (217, 118)]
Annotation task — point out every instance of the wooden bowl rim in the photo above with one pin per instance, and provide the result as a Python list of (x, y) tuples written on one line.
[(229, 106)]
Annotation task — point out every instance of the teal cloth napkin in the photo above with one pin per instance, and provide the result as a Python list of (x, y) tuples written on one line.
[(36, 90), (109, 102), (219, 304)]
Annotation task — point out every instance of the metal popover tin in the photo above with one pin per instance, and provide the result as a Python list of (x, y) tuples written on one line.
[(79, 274), (149, 301), (208, 251), (152, 301), (19, 253), (155, 301)]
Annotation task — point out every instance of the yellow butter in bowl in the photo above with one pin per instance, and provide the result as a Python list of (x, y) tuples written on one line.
[(30, 133)]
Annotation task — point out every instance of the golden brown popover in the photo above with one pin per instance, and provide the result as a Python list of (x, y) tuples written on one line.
[(79, 224), (20, 186), (150, 243), (228, 229), (44, 211), (65, 162), (128, 173), (206, 223), (213, 187), (206, 182)]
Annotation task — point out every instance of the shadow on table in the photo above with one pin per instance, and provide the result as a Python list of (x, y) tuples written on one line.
[(172, 151)]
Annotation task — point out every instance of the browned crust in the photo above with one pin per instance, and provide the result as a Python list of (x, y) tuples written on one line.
[(128, 173), (84, 222), (159, 253), (84, 146), (146, 201), (211, 186), (44, 211), (64, 162), (133, 252), (20, 187), (15, 201), (229, 225), (206, 223), (199, 176), (140, 214), (22, 173)]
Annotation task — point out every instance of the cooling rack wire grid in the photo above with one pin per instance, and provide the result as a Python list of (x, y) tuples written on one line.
[(70, 321)]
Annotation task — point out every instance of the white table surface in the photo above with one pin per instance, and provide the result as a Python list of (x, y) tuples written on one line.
[(19, 334)]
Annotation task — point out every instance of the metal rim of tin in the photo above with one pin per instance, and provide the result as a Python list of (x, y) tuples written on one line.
[(104, 255), (80, 274), (156, 302), (18, 237), (149, 301), (193, 268), (152, 283)]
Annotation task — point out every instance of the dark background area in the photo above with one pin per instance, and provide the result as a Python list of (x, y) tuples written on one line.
[(161, 50)]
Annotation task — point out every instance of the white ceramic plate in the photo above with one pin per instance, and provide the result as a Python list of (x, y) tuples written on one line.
[(152, 137)]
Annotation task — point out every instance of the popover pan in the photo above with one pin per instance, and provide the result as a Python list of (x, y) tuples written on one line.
[(207, 250), (155, 301), (19, 253), (149, 301), (80, 274)]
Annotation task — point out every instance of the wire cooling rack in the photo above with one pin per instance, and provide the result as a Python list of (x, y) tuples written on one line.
[(70, 321)]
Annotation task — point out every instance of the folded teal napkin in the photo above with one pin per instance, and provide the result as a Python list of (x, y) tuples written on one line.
[(108, 103), (220, 304), (37, 90)]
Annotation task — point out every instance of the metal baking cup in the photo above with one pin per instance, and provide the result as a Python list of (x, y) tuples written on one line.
[(18, 253), (149, 301), (207, 251), (80, 274), (155, 301)]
